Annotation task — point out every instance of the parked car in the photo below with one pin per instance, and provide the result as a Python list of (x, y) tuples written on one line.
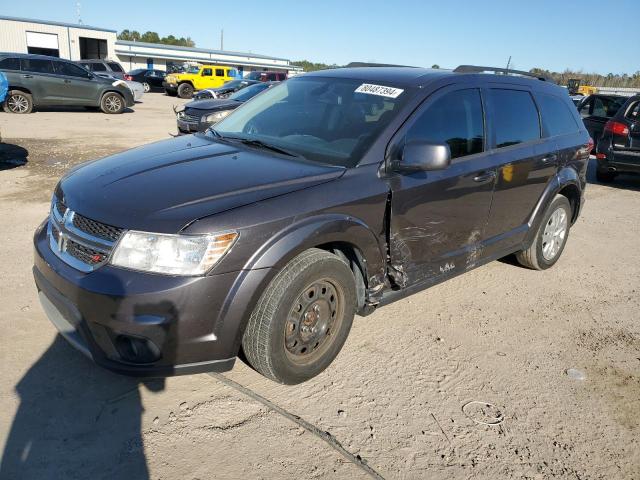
[(618, 149), (104, 66), (197, 78), (224, 91), (38, 81), (330, 194), (199, 115), (597, 109), (266, 76), (136, 87), (151, 80)]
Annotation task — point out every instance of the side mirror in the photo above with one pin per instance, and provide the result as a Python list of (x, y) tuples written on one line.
[(420, 156)]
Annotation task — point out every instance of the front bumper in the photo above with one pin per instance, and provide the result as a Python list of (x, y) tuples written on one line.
[(141, 324), (185, 127), (170, 87)]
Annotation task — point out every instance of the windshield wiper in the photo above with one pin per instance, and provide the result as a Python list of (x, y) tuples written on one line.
[(251, 142)]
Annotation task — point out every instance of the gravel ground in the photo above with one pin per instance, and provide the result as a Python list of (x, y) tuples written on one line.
[(465, 380)]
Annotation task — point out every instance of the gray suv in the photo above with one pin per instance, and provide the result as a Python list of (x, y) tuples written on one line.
[(38, 81), (104, 66)]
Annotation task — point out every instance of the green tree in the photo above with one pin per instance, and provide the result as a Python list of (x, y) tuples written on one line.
[(435, 66), (153, 37)]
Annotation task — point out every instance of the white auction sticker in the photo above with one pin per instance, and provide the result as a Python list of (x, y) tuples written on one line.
[(380, 90)]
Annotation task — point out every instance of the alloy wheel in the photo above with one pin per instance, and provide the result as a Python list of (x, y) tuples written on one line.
[(555, 232), (113, 103), (18, 103)]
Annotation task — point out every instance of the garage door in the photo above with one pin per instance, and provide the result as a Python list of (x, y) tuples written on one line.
[(43, 44)]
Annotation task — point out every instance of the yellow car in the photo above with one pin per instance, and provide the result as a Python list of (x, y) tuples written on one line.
[(197, 78)]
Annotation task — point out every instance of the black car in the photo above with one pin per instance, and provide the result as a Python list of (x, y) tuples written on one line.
[(39, 81), (199, 115), (150, 79), (597, 109), (618, 149), (330, 194), (223, 91)]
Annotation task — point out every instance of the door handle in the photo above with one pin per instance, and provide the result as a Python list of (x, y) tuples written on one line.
[(27, 76), (484, 176)]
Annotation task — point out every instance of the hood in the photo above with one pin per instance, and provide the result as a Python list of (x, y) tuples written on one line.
[(164, 186), (213, 104)]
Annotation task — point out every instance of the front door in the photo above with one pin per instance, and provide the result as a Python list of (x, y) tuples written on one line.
[(80, 88), (438, 218)]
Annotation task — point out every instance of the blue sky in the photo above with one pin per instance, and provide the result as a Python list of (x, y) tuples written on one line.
[(553, 34)]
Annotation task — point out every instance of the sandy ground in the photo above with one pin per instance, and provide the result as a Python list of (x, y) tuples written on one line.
[(397, 397)]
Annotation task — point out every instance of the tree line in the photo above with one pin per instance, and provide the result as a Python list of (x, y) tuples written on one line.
[(153, 37)]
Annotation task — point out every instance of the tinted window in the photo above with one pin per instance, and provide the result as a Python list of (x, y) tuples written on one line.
[(36, 65), (69, 69), (556, 116), (455, 119), (633, 113), (606, 107), (219, 72), (515, 117), (115, 66), (137, 71), (97, 67), (9, 64), (206, 72)]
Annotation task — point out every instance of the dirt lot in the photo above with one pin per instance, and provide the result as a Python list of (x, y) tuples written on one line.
[(395, 403)]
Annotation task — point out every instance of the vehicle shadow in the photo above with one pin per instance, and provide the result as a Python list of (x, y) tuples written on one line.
[(70, 109), (622, 181), (12, 156), (75, 420)]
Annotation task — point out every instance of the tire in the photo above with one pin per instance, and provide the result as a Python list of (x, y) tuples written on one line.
[(302, 319), (146, 86), (185, 90), (604, 176), (112, 103), (547, 247), (18, 102), (170, 93)]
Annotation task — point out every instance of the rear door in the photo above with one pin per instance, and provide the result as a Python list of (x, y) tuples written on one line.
[(596, 111), (80, 88), (526, 162), (627, 147), (438, 218), (39, 77)]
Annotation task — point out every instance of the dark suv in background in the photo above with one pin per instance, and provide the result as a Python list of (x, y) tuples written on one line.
[(39, 81), (330, 194), (597, 109), (109, 67), (619, 147), (266, 76)]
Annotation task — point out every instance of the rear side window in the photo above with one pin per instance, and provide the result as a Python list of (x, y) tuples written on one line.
[(206, 72), (556, 116), (10, 64), (115, 67), (456, 119), (97, 67), (36, 65), (515, 117), (219, 72), (633, 113)]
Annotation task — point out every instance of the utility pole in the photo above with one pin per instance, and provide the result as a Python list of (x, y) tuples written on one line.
[(222, 39), (78, 7)]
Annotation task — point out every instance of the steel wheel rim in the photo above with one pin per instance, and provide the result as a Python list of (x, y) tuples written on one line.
[(146, 87), (554, 234), (313, 320), (113, 103), (18, 103)]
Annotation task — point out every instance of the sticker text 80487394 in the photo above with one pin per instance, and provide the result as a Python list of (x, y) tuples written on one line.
[(380, 90)]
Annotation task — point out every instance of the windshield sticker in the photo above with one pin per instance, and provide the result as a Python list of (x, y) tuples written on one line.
[(380, 90)]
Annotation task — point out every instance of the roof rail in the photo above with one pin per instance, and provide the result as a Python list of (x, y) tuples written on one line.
[(369, 64), (504, 71)]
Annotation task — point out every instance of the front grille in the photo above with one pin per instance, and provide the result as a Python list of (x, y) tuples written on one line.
[(97, 229), (60, 207), (85, 254), (192, 116)]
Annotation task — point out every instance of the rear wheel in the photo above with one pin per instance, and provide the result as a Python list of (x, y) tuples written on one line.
[(551, 237), (302, 319), (18, 102), (185, 90), (604, 177), (112, 103), (146, 86)]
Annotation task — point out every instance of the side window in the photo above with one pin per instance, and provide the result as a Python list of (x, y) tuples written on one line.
[(10, 64), (556, 116), (456, 119), (585, 108), (515, 117), (36, 65), (206, 72), (633, 113), (607, 107), (219, 72), (97, 67), (70, 70)]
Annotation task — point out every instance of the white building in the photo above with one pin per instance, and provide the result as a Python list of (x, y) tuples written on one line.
[(79, 42)]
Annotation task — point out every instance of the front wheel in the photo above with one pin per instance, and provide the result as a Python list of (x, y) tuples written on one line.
[(185, 90), (112, 103), (551, 237), (604, 177), (302, 319)]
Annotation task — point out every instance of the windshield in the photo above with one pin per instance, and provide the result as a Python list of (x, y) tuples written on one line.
[(328, 120), (193, 70), (248, 92)]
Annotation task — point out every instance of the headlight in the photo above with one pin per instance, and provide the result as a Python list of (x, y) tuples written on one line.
[(215, 117), (171, 254)]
